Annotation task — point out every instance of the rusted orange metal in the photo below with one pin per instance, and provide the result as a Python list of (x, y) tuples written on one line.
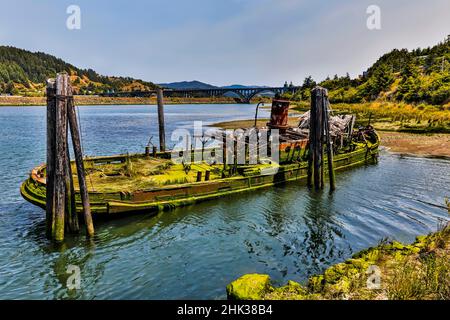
[(279, 115)]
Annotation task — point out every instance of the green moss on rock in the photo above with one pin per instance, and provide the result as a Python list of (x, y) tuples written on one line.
[(249, 287)]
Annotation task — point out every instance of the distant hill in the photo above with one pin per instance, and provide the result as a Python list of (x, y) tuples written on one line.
[(25, 72), (187, 85), (417, 76)]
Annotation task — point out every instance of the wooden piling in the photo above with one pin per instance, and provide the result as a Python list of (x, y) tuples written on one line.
[(331, 175), (329, 144), (60, 156), (350, 130), (72, 225), (147, 151), (162, 134), (315, 135), (51, 150), (84, 193), (322, 170), (310, 166), (154, 152)]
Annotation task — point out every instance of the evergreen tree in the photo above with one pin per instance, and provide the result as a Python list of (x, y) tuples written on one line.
[(408, 89), (381, 80), (10, 88), (308, 83)]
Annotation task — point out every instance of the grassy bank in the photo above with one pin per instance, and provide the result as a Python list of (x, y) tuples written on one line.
[(390, 270), (97, 100)]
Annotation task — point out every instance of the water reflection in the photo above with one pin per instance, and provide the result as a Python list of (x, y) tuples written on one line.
[(321, 229)]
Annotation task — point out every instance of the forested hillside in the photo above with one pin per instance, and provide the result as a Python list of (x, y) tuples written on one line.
[(417, 76), (24, 72)]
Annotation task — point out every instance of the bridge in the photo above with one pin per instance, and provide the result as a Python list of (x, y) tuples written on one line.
[(241, 95)]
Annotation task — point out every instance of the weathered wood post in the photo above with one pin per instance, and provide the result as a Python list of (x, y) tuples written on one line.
[(51, 151), (318, 94), (329, 143), (310, 164), (76, 143), (72, 224), (350, 130), (60, 156), (71, 208), (162, 134), (322, 167)]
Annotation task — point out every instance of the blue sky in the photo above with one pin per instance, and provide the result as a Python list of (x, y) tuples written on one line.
[(258, 42)]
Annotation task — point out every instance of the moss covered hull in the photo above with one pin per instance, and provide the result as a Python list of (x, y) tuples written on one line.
[(166, 197)]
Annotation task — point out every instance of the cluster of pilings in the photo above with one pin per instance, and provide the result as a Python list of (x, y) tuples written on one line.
[(319, 135), (61, 213)]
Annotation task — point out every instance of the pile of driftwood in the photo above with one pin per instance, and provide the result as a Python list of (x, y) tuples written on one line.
[(340, 126)]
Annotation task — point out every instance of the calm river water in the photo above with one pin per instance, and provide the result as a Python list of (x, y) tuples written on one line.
[(288, 232)]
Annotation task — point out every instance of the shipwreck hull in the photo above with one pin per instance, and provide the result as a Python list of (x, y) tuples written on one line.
[(157, 199)]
